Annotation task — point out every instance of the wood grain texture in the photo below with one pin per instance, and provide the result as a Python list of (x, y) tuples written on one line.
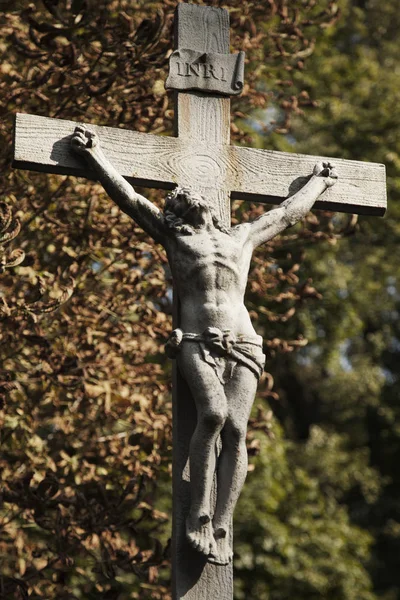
[(200, 118), (201, 157), (202, 29), (200, 121), (268, 176)]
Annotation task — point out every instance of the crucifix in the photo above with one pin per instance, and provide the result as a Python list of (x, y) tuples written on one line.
[(218, 353)]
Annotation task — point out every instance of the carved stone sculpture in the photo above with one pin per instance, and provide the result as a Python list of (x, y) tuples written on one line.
[(217, 349)]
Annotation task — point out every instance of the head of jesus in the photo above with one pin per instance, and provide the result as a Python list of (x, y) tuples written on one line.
[(186, 211)]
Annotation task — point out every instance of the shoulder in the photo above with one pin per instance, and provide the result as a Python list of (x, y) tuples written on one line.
[(240, 232)]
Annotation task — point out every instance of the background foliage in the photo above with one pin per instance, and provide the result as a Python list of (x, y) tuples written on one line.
[(85, 306)]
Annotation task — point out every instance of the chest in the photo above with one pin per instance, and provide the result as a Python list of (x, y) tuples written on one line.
[(206, 247)]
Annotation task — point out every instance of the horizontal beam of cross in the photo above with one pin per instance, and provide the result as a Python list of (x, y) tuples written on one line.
[(42, 144)]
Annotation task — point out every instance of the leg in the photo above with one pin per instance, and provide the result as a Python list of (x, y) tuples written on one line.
[(209, 396), (232, 466)]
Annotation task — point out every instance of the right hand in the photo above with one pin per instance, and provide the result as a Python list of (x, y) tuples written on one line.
[(83, 141), (327, 171)]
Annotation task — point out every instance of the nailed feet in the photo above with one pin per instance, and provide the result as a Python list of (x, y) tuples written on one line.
[(223, 553), (200, 534), (214, 544)]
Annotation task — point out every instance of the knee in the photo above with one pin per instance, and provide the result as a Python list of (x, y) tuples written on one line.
[(214, 418), (235, 433)]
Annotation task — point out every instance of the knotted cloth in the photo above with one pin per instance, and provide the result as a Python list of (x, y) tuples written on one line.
[(216, 344)]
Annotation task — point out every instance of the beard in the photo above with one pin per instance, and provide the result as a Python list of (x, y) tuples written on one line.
[(194, 212)]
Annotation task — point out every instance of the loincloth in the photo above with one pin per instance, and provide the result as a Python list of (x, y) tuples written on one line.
[(222, 350)]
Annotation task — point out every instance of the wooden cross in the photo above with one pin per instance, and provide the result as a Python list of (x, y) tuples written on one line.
[(202, 158)]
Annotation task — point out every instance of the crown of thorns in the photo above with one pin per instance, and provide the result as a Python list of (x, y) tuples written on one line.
[(182, 191)]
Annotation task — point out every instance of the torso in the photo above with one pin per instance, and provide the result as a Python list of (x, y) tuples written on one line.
[(210, 270)]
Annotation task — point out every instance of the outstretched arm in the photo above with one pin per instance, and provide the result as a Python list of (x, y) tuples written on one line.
[(145, 213), (294, 208)]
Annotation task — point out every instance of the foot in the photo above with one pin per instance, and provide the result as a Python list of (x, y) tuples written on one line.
[(200, 534), (83, 141), (222, 554), (327, 171)]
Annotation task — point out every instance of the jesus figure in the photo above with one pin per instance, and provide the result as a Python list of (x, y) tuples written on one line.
[(216, 347)]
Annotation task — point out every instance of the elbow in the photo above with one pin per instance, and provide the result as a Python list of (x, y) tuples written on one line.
[(295, 213), (291, 217), (292, 221)]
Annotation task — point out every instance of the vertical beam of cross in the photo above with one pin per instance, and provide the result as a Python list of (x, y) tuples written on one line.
[(199, 118), (204, 119)]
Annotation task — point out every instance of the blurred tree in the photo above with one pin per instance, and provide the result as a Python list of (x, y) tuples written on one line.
[(346, 381)]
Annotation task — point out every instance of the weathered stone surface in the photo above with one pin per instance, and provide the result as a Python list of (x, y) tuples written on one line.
[(200, 119), (218, 352)]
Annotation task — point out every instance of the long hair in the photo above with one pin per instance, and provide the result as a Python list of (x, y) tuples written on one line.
[(177, 224)]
